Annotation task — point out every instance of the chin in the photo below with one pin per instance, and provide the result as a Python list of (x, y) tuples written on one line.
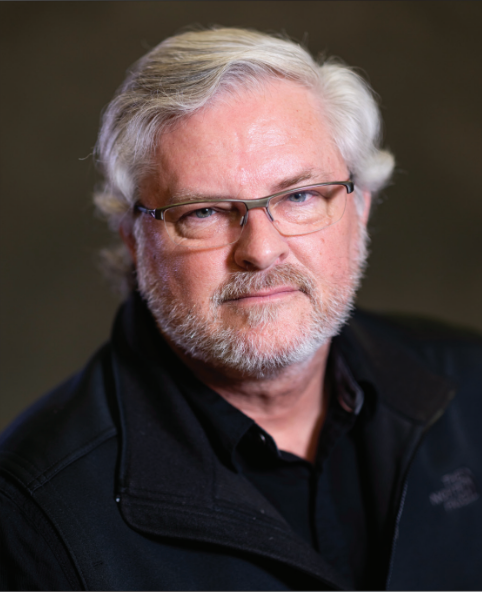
[(261, 342)]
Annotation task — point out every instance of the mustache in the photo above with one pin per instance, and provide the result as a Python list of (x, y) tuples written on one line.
[(242, 283)]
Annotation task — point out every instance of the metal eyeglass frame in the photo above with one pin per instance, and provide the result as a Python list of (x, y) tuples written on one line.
[(261, 202)]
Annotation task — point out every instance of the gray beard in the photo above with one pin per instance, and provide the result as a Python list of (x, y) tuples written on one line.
[(259, 349)]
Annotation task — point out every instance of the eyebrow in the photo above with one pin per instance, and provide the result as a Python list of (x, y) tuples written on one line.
[(305, 175)]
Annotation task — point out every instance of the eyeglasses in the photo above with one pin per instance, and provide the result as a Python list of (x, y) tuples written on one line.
[(211, 223)]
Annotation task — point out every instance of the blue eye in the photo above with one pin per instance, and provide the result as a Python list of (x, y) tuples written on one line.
[(298, 197), (204, 213)]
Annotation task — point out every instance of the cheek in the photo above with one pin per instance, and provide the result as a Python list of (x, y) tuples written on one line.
[(320, 249), (190, 276), (329, 254), (344, 238)]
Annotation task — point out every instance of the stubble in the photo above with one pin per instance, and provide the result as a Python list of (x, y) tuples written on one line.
[(256, 344)]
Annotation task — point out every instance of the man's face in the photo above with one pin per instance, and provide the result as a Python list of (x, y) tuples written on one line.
[(266, 301)]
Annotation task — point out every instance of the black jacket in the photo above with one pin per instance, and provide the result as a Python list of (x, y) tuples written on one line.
[(110, 482)]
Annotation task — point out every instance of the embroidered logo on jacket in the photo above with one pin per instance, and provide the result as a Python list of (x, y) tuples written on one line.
[(459, 490)]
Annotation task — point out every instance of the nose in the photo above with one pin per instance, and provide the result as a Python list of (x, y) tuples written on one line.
[(260, 245)]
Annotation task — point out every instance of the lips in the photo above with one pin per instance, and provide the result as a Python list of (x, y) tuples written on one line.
[(259, 287), (266, 294)]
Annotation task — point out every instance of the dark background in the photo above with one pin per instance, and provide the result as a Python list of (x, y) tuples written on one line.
[(62, 61)]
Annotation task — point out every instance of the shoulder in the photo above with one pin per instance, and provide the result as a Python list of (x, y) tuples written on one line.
[(417, 328), (61, 427), (445, 349), (57, 462)]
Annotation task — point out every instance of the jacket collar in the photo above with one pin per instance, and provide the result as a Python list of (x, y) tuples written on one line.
[(382, 353), (172, 484)]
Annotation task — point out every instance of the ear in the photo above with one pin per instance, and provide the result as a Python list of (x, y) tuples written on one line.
[(367, 201), (126, 231)]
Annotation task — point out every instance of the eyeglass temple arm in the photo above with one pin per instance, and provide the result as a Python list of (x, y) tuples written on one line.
[(158, 214)]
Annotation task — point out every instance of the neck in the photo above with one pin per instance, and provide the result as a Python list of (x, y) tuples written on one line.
[(291, 406)]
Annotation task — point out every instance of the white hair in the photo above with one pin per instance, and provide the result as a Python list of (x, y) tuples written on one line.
[(187, 71)]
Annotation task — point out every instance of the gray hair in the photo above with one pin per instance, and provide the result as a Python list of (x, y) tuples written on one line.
[(184, 73)]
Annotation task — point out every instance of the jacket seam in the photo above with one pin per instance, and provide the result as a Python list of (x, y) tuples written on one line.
[(61, 508), (35, 482), (69, 459), (32, 523), (396, 534)]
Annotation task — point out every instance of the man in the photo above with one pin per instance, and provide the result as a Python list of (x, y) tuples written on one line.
[(238, 432)]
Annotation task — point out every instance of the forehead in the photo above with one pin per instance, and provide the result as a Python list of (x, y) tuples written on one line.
[(248, 143)]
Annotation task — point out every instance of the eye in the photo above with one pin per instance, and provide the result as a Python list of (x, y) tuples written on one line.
[(203, 213), (299, 196)]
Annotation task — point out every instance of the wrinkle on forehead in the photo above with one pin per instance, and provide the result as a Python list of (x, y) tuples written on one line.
[(264, 130), (265, 126), (246, 142)]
